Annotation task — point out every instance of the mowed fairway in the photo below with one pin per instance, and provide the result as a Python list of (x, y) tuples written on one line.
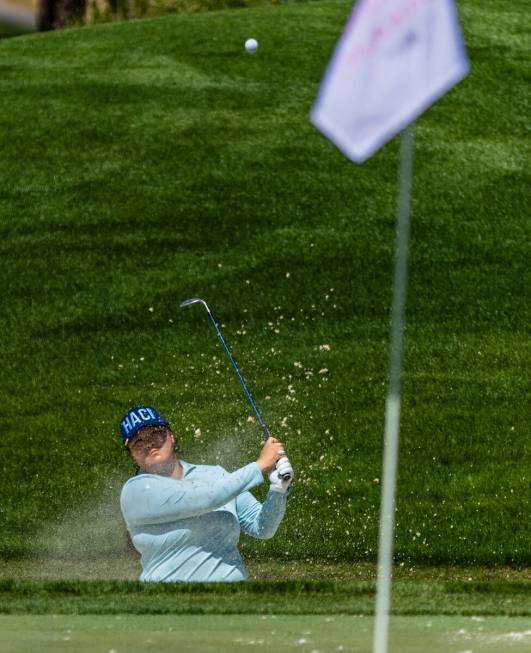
[(266, 634)]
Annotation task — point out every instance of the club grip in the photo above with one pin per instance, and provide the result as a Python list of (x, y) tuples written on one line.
[(287, 476)]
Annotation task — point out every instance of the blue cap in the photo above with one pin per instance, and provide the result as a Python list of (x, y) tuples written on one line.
[(138, 417)]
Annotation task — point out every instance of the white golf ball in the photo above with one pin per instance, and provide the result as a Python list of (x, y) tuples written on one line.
[(251, 45)]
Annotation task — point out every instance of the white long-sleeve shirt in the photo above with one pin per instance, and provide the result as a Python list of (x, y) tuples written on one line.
[(188, 529)]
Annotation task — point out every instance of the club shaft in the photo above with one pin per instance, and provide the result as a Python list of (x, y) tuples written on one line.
[(197, 300), (240, 377)]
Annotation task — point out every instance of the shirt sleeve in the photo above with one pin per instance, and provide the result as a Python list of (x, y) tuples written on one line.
[(261, 520), (152, 499)]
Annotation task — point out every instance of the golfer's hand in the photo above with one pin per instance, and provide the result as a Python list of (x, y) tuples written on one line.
[(281, 476), (272, 450)]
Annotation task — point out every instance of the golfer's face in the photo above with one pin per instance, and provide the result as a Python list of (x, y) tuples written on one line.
[(152, 445)]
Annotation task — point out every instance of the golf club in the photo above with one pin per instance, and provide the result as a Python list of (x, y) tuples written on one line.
[(198, 300)]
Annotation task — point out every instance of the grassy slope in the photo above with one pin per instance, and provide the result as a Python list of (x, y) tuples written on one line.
[(146, 162), (274, 597), (42, 587), (8, 31)]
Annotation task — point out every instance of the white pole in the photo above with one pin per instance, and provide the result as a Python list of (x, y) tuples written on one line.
[(392, 405)]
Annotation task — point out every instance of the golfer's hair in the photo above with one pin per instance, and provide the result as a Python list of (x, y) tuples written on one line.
[(137, 467)]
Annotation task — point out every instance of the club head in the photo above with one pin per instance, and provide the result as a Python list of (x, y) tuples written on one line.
[(194, 300)]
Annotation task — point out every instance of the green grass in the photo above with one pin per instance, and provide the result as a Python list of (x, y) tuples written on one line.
[(410, 597), (295, 588), (218, 634), (8, 31), (145, 162)]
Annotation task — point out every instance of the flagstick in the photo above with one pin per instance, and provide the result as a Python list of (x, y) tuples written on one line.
[(392, 406)]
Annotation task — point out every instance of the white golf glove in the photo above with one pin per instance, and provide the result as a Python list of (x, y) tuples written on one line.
[(281, 469)]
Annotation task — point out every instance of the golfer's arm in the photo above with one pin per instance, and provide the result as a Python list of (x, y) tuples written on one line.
[(261, 520), (150, 499)]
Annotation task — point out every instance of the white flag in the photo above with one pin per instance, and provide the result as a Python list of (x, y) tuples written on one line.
[(394, 59)]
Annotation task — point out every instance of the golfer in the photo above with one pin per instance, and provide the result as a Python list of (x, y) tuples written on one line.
[(185, 519)]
